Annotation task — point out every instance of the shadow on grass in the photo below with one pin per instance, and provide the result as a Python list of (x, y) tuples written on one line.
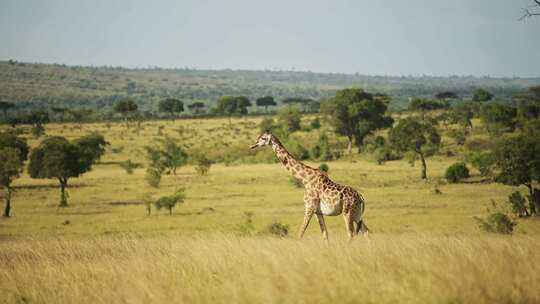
[(48, 186)]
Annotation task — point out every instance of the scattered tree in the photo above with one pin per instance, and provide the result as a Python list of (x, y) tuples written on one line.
[(13, 153), (446, 95), (196, 107), (356, 114), (93, 146), (167, 155), (417, 136), (456, 172), (127, 108), (289, 118), (518, 162), (172, 106), (57, 158), (232, 105), (169, 202), (497, 118), (266, 101)]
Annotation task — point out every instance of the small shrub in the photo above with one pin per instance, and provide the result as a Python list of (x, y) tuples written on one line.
[(203, 164), (153, 177), (518, 204), (169, 202), (297, 150), (315, 123), (483, 162), (266, 124), (278, 229), (459, 136), (384, 154), (479, 144), (38, 131), (321, 150), (290, 118), (496, 223), (456, 172), (128, 165), (247, 227), (324, 167)]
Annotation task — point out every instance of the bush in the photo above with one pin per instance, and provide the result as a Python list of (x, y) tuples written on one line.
[(266, 124), (384, 154), (153, 177), (203, 164), (497, 222), (324, 167), (483, 162), (315, 123), (321, 150), (459, 136), (479, 144), (169, 202), (518, 204), (456, 172), (290, 118), (278, 229), (297, 150)]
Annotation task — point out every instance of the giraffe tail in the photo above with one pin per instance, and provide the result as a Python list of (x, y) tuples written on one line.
[(362, 227)]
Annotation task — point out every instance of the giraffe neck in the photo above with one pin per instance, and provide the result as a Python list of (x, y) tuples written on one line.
[(295, 167)]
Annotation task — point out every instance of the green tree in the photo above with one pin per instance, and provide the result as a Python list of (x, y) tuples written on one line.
[(415, 135), (169, 202), (37, 119), (289, 118), (302, 102), (266, 101), (172, 106), (5, 107), (93, 146), (462, 115), (518, 162), (497, 117), (482, 95), (445, 95), (13, 153), (58, 158), (196, 107), (127, 108), (232, 105), (356, 114), (167, 155)]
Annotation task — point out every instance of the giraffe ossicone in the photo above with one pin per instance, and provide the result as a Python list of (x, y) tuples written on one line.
[(322, 196)]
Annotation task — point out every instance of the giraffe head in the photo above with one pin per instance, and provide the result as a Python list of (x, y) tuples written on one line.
[(264, 140)]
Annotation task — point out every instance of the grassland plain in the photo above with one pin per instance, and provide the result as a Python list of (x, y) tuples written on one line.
[(425, 246)]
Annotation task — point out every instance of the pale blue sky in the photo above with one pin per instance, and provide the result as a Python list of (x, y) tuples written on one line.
[(390, 37)]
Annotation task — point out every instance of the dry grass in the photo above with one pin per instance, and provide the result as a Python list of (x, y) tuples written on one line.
[(227, 269), (425, 248)]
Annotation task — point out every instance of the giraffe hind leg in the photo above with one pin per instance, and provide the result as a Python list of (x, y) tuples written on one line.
[(361, 226)]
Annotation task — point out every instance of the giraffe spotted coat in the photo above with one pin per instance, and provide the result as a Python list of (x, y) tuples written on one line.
[(322, 196)]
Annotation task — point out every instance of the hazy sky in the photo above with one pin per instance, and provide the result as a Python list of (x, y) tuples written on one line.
[(390, 37)]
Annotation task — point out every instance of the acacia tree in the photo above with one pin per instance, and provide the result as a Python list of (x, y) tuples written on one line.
[(172, 106), (415, 135), (355, 114), (303, 102), (265, 102), (232, 105), (196, 107), (167, 155), (497, 118), (127, 108), (58, 158), (518, 162), (13, 153), (93, 146)]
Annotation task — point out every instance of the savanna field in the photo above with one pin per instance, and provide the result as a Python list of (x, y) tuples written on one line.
[(425, 245)]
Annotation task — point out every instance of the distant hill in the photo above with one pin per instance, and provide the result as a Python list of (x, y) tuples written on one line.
[(39, 85)]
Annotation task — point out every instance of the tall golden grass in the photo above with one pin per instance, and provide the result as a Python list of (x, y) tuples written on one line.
[(224, 268)]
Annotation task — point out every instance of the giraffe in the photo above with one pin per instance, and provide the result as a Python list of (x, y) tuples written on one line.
[(322, 196)]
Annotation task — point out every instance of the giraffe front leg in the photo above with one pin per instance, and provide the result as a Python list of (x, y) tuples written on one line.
[(324, 232), (308, 213)]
